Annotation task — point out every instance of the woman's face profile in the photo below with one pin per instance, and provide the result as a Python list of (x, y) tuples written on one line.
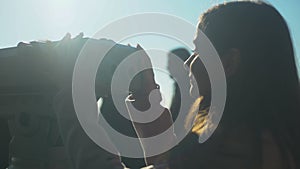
[(197, 73)]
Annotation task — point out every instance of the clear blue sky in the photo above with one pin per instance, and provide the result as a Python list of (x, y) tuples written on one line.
[(26, 20), (35, 19)]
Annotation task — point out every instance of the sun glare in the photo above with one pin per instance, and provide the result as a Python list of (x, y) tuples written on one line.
[(61, 13)]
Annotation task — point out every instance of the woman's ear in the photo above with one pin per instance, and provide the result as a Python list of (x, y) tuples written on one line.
[(231, 61)]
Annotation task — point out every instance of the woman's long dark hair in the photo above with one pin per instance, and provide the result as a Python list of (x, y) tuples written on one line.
[(265, 91)]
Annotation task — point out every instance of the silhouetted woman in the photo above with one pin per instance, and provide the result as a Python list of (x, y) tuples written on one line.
[(260, 123)]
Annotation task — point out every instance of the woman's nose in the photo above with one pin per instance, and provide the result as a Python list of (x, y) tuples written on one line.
[(188, 62)]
